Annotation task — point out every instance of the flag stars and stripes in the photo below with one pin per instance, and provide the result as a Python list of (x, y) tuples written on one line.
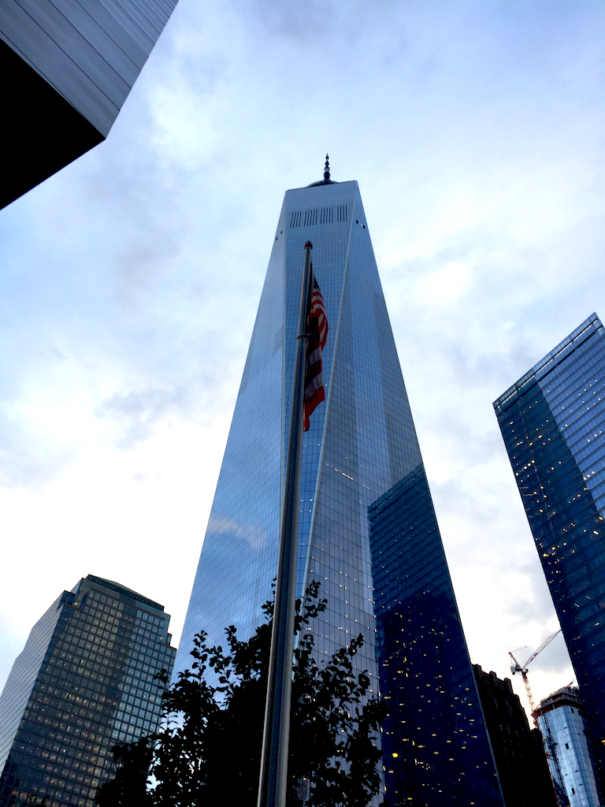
[(318, 333)]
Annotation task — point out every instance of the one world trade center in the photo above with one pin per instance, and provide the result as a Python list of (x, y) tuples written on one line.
[(367, 530)]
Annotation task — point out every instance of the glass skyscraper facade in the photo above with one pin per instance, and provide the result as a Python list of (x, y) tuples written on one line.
[(83, 683), (562, 723), (368, 530), (553, 421)]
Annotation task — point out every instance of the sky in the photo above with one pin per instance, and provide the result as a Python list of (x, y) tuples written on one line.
[(130, 281)]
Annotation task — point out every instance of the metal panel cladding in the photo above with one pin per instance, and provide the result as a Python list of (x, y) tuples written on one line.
[(67, 67), (91, 53)]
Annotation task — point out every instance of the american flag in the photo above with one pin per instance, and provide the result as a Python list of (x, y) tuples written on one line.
[(318, 333)]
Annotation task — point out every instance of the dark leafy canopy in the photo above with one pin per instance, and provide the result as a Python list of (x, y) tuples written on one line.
[(208, 750)]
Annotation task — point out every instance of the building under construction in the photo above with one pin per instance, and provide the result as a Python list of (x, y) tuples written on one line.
[(562, 722)]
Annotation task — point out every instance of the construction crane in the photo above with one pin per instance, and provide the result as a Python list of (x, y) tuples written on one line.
[(518, 668), (551, 745)]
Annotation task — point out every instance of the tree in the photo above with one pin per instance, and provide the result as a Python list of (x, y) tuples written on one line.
[(208, 749)]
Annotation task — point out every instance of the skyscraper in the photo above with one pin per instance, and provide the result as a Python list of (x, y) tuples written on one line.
[(367, 526), (67, 68), (84, 682), (553, 422), (562, 722)]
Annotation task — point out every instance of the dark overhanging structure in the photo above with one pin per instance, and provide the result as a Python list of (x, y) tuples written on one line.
[(68, 68)]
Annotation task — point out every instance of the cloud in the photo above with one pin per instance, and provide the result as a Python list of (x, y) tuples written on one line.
[(300, 25), (11, 644), (27, 457), (138, 413), (253, 534), (475, 135)]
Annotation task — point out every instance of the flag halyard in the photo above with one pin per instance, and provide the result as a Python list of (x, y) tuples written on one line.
[(318, 333)]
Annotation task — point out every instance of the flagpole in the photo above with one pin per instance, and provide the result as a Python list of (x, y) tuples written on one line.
[(274, 762)]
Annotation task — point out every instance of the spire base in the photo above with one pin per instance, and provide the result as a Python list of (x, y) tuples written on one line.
[(326, 180)]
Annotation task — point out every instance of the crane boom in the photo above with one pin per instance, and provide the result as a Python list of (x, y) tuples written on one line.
[(551, 745), (541, 648), (518, 668)]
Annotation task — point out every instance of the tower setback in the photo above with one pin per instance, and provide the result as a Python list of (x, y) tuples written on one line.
[(367, 530)]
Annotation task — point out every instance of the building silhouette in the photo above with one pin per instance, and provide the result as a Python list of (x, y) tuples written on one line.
[(83, 683), (518, 749), (368, 530), (553, 421), (68, 68), (562, 721)]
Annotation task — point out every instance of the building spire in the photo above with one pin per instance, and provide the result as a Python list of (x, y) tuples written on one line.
[(326, 180), (327, 169)]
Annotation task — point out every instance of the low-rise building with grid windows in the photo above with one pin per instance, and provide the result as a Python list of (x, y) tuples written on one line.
[(84, 682)]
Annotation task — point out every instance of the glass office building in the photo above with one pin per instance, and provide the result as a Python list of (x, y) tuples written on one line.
[(67, 69), (368, 531), (553, 423), (562, 723), (83, 683)]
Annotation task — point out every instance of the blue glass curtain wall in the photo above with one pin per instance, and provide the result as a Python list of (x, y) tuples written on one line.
[(553, 423), (361, 443)]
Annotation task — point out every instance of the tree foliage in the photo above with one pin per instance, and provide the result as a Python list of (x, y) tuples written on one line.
[(208, 749)]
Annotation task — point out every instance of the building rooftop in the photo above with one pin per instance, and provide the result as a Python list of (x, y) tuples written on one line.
[(549, 362), (124, 590), (566, 696)]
